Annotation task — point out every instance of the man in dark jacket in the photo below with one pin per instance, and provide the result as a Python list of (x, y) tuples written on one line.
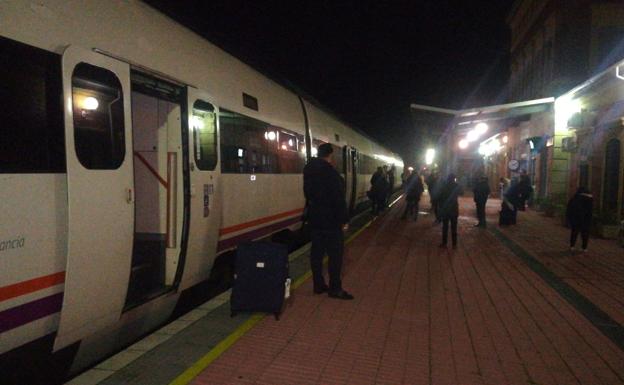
[(481, 193), (327, 215), (413, 190), (379, 186), (449, 209), (579, 215), (433, 185), (524, 190)]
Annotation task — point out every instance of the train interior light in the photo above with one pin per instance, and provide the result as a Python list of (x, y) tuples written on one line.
[(197, 122), (463, 144), (90, 103)]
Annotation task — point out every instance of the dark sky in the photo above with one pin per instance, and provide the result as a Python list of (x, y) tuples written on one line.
[(366, 61)]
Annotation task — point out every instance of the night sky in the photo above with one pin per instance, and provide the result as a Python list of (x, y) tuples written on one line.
[(366, 61)]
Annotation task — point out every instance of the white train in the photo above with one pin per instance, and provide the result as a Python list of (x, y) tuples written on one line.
[(134, 156)]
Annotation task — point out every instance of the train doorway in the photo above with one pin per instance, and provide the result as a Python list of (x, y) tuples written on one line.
[(157, 110)]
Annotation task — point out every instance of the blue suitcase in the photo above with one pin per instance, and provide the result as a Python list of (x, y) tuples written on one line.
[(261, 273)]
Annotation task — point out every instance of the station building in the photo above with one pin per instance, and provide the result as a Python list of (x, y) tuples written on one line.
[(564, 124)]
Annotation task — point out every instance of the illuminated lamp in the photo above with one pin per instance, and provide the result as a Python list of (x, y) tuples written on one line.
[(481, 128), (284, 147), (565, 107), (463, 144), (271, 135), (90, 103), (505, 139), (290, 143), (314, 151), (197, 122), (429, 155), (472, 135)]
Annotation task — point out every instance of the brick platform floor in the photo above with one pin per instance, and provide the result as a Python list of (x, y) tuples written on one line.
[(425, 315)]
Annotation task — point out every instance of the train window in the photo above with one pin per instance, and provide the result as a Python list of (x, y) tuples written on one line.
[(32, 131), (204, 125), (98, 117), (251, 146), (291, 161), (251, 138)]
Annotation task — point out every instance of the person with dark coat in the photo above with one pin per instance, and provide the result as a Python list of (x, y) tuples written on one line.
[(379, 187), (433, 186), (509, 206), (327, 215), (413, 190), (579, 216), (481, 193), (524, 191), (449, 209)]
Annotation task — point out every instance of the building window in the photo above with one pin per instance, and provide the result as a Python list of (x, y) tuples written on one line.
[(250, 102), (32, 132), (611, 176), (204, 126), (98, 117)]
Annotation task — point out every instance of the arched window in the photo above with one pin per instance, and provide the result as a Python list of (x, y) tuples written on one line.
[(611, 176)]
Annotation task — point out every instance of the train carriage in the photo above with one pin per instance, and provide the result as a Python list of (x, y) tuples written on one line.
[(135, 154)]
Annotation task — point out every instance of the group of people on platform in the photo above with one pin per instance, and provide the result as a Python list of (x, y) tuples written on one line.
[(327, 215), (514, 196), (382, 185)]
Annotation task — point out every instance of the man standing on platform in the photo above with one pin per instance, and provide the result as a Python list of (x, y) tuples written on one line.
[(327, 214), (433, 185), (449, 209), (481, 193)]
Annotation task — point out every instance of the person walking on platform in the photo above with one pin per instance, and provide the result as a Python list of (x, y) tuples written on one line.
[(448, 208), (433, 186), (413, 190), (379, 185), (481, 193), (579, 216), (324, 191)]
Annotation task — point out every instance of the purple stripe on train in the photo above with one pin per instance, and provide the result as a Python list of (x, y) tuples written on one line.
[(231, 242), (31, 311)]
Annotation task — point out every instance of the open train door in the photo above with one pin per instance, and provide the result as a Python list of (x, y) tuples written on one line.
[(98, 141)]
